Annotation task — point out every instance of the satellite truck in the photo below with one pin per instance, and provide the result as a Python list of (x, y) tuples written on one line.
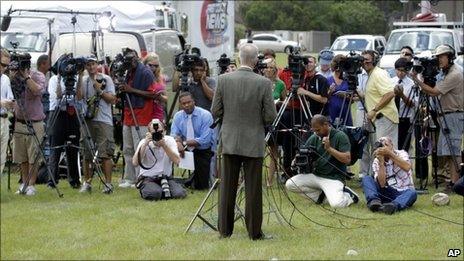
[(423, 33)]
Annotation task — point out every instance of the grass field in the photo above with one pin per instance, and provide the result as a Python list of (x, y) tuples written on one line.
[(123, 226)]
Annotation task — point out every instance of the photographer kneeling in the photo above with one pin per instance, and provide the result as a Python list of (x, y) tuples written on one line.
[(155, 154), (331, 149), (392, 187)]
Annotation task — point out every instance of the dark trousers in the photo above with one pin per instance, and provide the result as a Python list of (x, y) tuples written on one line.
[(404, 138), (230, 170), (150, 189), (459, 186), (65, 128), (289, 141), (202, 159)]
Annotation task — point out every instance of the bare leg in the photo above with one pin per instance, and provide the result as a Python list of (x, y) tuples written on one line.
[(107, 169)]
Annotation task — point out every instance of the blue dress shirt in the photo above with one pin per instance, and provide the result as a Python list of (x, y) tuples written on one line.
[(201, 120)]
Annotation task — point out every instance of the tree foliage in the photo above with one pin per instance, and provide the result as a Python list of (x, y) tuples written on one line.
[(339, 17)]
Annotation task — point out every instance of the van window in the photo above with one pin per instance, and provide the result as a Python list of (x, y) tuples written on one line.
[(167, 45), (419, 40), (35, 42), (349, 44), (159, 19)]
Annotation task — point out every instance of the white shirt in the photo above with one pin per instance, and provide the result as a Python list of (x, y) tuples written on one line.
[(163, 164), (5, 91), (54, 100), (396, 177), (407, 87), (362, 82)]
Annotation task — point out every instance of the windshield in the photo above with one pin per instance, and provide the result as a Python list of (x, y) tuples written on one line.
[(35, 42), (419, 41), (349, 44)]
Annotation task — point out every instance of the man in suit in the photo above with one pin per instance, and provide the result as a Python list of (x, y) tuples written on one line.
[(243, 100)]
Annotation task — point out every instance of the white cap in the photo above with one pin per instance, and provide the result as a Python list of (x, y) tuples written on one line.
[(440, 199), (443, 48)]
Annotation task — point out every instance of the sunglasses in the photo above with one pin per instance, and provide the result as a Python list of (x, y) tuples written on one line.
[(153, 65), (406, 54)]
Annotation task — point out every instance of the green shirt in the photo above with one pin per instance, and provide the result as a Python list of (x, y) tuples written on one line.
[(338, 141), (279, 87)]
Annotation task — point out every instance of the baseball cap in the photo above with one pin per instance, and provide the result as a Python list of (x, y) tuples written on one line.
[(325, 57), (91, 58), (441, 49)]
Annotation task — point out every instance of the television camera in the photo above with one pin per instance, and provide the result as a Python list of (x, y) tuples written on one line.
[(351, 67)]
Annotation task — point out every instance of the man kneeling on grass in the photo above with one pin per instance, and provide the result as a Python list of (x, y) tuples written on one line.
[(392, 188), (155, 155)]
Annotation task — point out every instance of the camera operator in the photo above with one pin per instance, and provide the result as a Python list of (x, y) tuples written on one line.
[(202, 89), (7, 103), (98, 93), (43, 66), (325, 59), (450, 91), (405, 100), (161, 99), (315, 87), (232, 66), (66, 126), (140, 87), (392, 188), (339, 100), (155, 179), (192, 132), (407, 52), (331, 155), (28, 109)]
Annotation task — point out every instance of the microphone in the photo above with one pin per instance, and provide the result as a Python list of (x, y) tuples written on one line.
[(6, 21)]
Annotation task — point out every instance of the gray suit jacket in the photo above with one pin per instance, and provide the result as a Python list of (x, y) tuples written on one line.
[(243, 100)]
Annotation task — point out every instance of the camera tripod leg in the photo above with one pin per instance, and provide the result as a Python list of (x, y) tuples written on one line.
[(197, 214)]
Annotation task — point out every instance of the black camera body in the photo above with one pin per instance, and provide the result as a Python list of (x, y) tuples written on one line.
[(68, 67), (428, 66), (223, 63), (297, 65), (20, 61), (186, 60), (305, 158), (351, 67), (157, 135)]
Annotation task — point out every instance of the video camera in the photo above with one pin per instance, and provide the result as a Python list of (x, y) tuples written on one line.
[(260, 64), (351, 67), (223, 63), (20, 61), (68, 67), (186, 60), (122, 63), (305, 158), (296, 64), (428, 66), (157, 135)]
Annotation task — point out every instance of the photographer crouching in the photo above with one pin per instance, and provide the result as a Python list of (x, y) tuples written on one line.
[(155, 155), (330, 155), (27, 87), (450, 89), (392, 188)]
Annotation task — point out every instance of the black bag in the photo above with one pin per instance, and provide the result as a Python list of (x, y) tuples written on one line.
[(358, 138)]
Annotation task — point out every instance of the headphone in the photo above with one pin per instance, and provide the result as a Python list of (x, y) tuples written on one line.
[(376, 58)]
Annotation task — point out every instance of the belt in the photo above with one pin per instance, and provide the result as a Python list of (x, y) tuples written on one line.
[(450, 112), (24, 122)]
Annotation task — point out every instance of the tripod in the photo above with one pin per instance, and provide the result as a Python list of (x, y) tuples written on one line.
[(68, 101)]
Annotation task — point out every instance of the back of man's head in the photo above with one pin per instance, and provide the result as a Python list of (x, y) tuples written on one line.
[(42, 60), (248, 54)]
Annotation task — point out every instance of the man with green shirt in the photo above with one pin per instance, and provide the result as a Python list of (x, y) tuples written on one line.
[(330, 156)]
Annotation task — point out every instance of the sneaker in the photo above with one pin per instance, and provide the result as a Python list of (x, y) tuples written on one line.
[(108, 188), (321, 198), (126, 184), (86, 187), (20, 189), (388, 208), (353, 195), (374, 205), (30, 191)]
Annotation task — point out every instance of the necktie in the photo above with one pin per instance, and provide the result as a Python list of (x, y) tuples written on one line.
[(398, 99), (190, 132)]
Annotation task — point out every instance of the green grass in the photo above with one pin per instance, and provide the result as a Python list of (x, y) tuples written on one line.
[(123, 226)]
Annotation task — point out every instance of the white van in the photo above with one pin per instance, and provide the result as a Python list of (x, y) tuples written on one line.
[(422, 37), (358, 43)]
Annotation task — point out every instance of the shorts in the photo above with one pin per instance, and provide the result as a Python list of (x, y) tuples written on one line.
[(455, 130), (103, 138), (26, 148)]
